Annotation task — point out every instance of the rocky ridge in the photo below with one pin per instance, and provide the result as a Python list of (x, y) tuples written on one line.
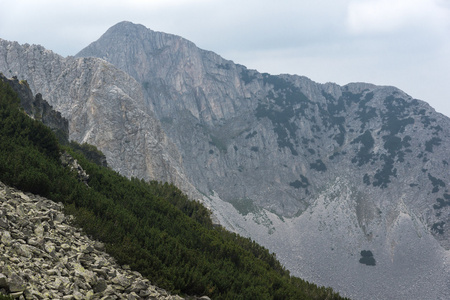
[(44, 257)]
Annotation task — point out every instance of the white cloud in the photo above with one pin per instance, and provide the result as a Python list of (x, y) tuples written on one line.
[(388, 16), (395, 42)]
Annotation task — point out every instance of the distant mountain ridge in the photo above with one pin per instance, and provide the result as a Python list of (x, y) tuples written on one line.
[(319, 173)]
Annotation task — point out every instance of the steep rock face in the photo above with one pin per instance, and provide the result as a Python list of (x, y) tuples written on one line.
[(241, 130), (278, 149), (104, 107), (174, 73)]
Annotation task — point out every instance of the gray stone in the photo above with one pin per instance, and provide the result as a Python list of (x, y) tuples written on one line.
[(50, 248), (65, 247), (3, 281), (122, 281), (87, 248), (16, 295), (138, 285), (16, 283), (100, 286), (34, 241), (146, 293), (60, 217), (39, 230), (99, 246), (6, 238), (78, 296), (23, 250), (132, 296), (4, 223), (100, 272)]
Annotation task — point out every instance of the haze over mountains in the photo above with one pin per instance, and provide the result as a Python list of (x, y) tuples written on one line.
[(349, 185)]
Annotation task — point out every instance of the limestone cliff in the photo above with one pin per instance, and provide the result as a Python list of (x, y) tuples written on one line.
[(263, 137)]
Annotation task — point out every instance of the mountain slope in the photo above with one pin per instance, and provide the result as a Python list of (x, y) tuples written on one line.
[(150, 226), (332, 178), (279, 146)]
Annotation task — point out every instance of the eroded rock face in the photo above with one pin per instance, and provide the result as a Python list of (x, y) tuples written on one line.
[(44, 257)]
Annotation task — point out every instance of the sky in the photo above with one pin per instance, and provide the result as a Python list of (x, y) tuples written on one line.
[(403, 43)]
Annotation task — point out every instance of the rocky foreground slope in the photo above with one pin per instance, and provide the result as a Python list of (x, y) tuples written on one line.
[(349, 185), (44, 257)]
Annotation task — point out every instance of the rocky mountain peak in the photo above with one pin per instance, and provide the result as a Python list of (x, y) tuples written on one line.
[(277, 154), (321, 174), (172, 72)]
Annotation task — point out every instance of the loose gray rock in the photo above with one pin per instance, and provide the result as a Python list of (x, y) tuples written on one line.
[(55, 261)]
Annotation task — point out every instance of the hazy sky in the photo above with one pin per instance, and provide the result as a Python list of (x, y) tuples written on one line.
[(404, 43)]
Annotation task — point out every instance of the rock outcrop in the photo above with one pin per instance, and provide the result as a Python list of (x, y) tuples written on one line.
[(44, 257), (69, 162)]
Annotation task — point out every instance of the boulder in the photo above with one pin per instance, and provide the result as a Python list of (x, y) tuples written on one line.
[(16, 283), (3, 281)]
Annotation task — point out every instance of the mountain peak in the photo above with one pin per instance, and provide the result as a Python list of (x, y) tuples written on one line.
[(127, 27), (126, 35), (324, 173)]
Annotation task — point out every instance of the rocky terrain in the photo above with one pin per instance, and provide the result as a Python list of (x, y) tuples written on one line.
[(44, 257), (347, 184)]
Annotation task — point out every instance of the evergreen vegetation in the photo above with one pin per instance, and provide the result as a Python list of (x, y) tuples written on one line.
[(153, 227)]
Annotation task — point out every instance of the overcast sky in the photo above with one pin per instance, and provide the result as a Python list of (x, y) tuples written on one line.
[(404, 43)]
